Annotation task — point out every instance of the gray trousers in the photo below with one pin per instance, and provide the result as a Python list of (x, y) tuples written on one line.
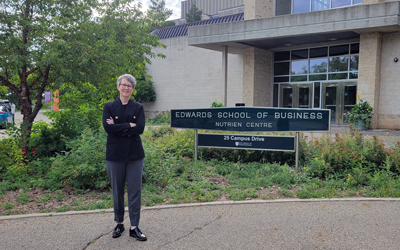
[(131, 173)]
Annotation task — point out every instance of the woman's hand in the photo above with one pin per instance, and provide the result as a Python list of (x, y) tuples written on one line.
[(133, 124), (110, 121)]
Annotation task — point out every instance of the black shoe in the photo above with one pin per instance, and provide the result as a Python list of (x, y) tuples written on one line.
[(137, 234), (118, 230)]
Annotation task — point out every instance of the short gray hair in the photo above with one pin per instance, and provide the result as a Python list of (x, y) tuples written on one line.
[(129, 78)]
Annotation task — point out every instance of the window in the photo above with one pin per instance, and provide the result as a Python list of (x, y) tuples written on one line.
[(338, 63), (340, 3), (300, 6), (320, 5), (284, 7), (299, 67), (317, 64)]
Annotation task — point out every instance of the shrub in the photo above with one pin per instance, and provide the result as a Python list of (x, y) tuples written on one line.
[(66, 125), (164, 119), (12, 160), (160, 131), (84, 165), (166, 156), (145, 91), (361, 111), (344, 153)]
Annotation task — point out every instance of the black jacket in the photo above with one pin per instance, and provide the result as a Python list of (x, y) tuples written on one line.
[(123, 141)]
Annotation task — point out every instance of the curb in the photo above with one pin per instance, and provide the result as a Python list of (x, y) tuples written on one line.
[(216, 203)]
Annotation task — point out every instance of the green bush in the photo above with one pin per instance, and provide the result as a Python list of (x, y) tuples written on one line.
[(161, 119), (83, 166), (12, 160), (145, 91), (160, 131), (50, 139), (344, 153)]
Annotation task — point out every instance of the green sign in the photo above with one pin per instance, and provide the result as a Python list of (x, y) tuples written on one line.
[(253, 142), (252, 119)]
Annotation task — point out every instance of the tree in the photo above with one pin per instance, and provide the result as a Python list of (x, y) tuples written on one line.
[(145, 91), (158, 7), (160, 14), (45, 44), (194, 13)]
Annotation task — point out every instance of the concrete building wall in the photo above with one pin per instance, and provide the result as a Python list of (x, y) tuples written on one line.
[(377, 1), (255, 9), (257, 77), (191, 77), (209, 7), (389, 112), (231, 11), (369, 71)]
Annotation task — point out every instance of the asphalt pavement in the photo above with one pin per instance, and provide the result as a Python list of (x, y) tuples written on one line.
[(358, 223)]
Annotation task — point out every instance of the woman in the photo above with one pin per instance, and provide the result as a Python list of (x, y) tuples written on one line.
[(124, 121)]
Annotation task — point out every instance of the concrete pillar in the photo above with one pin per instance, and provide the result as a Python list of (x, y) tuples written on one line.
[(255, 9), (257, 77), (369, 71), (225, 76)]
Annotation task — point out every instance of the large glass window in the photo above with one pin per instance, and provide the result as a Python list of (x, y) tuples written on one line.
[(300, 6), (299, 67), (353, 63), (319, 52), (281, 68), (282, 56), (284, 7), (320, 5), (336, 62), (339, 50), (299, 54), (318, 65), (340, 3)]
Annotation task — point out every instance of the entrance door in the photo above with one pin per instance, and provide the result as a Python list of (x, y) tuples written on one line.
[(296, 95), (339, 98)]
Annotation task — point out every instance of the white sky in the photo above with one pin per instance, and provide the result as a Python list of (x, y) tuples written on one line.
[(175, 5)]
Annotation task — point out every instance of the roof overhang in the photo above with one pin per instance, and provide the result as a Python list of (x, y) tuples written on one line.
[(298, 29)]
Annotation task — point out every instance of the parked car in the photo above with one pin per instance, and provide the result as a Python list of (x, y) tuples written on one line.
[(6, 103), (5, 116)]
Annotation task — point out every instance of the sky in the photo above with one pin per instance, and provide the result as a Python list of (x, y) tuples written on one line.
[(175, 5)]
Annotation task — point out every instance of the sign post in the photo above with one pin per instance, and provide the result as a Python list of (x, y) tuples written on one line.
[(196, 143)]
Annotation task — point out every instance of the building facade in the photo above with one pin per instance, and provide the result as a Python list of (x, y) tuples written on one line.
[(209, 7), (305, 54)]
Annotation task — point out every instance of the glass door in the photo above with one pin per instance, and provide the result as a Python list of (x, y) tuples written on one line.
[(340, 98), (296, 95), (286, 100), (304, 96)]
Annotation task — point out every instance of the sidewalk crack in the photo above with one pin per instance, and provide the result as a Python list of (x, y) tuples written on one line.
[(94, 241), (196, 228)]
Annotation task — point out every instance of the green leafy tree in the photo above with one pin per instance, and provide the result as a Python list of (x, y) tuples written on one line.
[(145, 91), (194, 13), (160, 14), (45, 44), (158, 7)]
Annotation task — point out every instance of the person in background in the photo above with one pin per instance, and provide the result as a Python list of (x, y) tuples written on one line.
[(124, 121)]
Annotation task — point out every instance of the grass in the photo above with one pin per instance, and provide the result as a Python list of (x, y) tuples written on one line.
[(331, 168), (249, 181)]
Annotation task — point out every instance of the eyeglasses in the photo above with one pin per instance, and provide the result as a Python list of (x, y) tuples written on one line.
[(126, 86)]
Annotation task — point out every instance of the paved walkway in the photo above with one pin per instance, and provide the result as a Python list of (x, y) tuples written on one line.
[(276, 224)]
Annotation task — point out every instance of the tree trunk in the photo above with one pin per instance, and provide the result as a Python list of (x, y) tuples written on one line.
[(27, 112)]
